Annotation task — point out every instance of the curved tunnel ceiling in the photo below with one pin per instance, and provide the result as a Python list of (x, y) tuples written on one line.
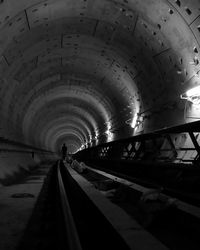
[(89, 71)]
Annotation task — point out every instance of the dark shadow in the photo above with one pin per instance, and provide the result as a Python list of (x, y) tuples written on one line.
[(43, 231), (23, 175)]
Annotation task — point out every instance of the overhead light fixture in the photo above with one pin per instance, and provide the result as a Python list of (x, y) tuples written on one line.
[(96, 135), (90, 138), (108, 132), (109, 135), (134, 121), (194, 91), (192, 95)]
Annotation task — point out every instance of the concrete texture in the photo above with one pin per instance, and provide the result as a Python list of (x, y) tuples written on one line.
[(92, 71), (15, 210)]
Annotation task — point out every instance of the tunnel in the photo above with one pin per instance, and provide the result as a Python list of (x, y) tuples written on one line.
[(90, 72), (94, 72)]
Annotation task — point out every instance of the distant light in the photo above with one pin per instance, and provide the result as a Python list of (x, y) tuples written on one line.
[(108, 126), (192, 95), (193, 92), (82, 147), (108, 132), (109, 135), (96, 135), (134, 121)]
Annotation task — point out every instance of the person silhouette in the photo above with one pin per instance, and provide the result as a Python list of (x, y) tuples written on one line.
[(64, 151)]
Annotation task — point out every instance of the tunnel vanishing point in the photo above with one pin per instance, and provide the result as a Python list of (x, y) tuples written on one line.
[(87, 72)]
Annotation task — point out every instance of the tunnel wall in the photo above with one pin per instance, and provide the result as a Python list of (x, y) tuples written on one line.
[(13, 166), (91, 72), (17, 161)]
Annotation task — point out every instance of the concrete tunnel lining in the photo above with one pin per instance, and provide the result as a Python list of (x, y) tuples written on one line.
[(86, 72), (82, 119), (50, 130), (136, 36)]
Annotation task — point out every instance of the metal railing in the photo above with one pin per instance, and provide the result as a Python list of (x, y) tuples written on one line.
[(177, 144)]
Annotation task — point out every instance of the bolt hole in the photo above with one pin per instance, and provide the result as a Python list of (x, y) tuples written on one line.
[(178, 2), (186, 73), (144, 24), (189, 12), (195, 50), (196, 61), (164, 19)]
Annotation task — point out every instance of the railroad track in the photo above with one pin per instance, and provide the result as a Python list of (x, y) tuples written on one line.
[(45, 229), (172, 221), (93, 209), (65, 218), (159, 191)]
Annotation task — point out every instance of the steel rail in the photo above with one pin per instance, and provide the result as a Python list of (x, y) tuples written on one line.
[(71, 231)]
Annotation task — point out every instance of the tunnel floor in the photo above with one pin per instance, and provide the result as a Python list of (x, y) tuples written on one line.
[(16, 205), (32, 216)]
